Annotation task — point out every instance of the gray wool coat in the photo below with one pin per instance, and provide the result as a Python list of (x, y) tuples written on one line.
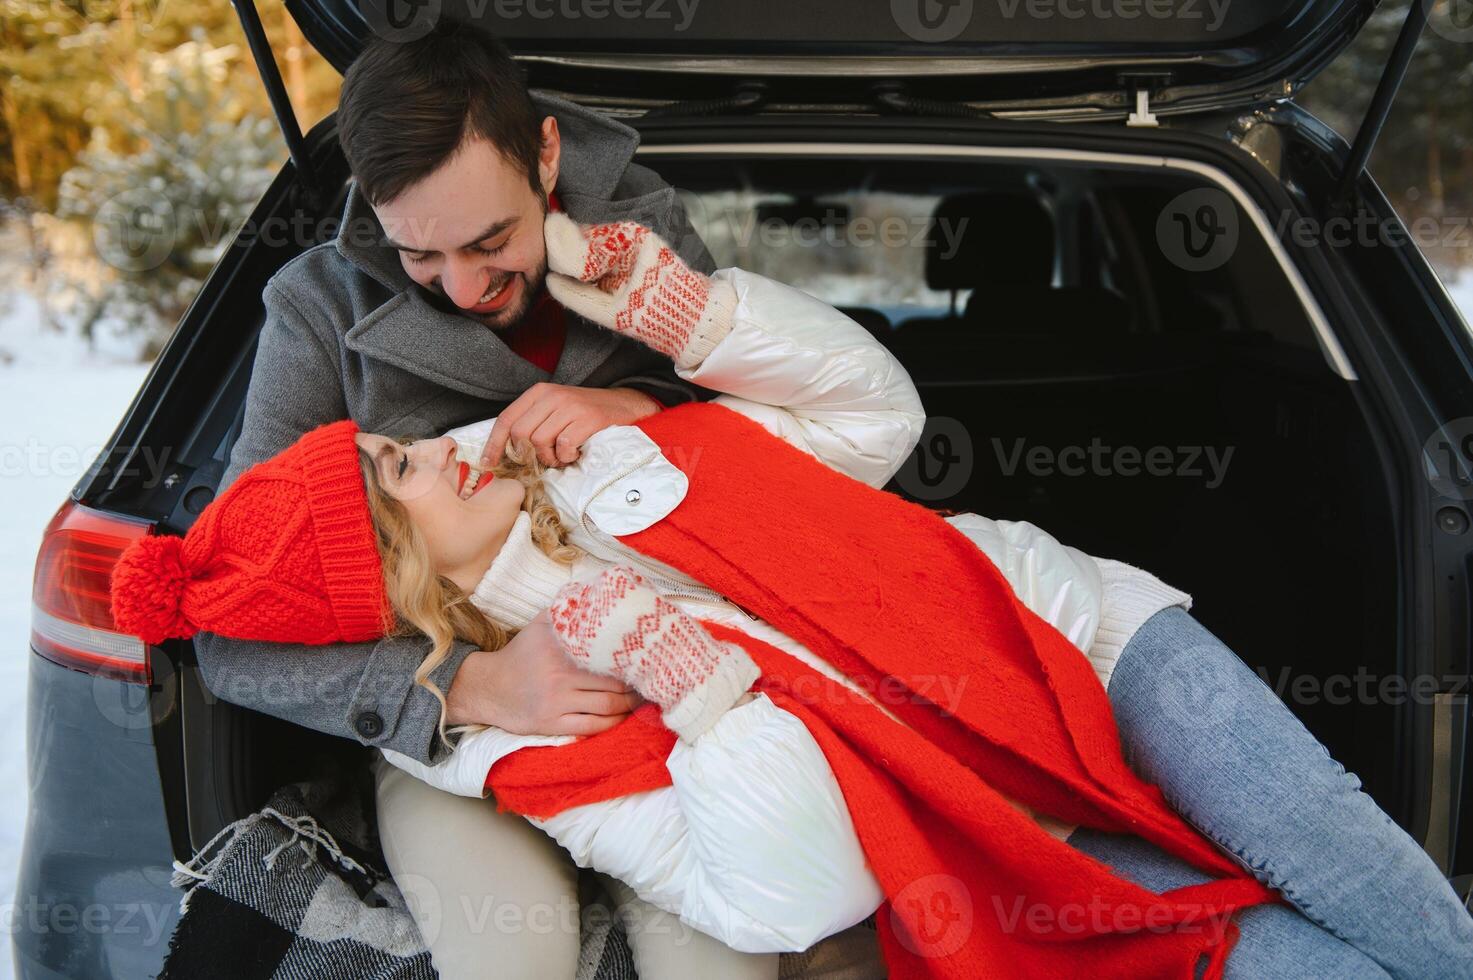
[(349, 335)]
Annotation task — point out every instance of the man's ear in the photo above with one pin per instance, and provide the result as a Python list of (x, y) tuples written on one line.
[(549, 156)]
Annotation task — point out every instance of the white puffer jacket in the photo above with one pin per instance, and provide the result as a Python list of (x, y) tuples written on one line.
[(752, 843)]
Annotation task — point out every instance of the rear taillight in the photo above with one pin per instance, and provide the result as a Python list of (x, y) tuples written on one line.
[(71, 613)]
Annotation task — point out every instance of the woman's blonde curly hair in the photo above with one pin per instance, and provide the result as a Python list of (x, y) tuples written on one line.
[(431, 605)]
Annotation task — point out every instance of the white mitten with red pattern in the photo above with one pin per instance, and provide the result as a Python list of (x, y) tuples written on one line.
[(619, 626), (625, 277)]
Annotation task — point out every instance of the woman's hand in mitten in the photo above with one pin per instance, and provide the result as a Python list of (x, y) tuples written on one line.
[(619, 626), (625, 277)]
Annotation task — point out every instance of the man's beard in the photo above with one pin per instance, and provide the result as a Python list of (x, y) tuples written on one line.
[(513, 315), (503, 319)]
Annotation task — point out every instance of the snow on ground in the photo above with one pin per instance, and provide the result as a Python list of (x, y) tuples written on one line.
[(58, 404)]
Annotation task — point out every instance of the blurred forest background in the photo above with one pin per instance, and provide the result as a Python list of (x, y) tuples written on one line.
[(117, 112), (108, 105)]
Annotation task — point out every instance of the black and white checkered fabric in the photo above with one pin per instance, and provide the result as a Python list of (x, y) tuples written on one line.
[(276, 896)]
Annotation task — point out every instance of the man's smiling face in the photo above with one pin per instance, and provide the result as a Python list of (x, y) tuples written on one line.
[(471, 232)]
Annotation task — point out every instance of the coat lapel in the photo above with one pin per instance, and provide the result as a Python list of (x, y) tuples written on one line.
[(585, 348), (454, 351)]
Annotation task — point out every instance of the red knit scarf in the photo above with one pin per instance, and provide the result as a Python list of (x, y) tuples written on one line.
[(995, 702)]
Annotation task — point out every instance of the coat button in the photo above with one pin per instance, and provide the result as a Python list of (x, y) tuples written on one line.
[(632, 497), (369, 724)]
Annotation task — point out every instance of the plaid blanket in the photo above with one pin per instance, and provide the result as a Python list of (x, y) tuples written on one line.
[(295, 892)]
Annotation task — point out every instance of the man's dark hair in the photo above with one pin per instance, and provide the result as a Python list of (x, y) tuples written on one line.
[(406, 107)]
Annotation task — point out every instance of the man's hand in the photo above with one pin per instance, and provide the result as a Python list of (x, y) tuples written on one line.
[(558, 419), (530, 687)]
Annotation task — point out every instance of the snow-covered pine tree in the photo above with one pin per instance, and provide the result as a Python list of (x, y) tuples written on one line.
[(160, 215)]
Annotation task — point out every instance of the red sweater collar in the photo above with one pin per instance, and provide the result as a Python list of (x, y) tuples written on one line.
[(540, 336)]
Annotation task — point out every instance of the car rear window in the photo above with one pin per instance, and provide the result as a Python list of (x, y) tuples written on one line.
[(1062, 251), (848, 248)]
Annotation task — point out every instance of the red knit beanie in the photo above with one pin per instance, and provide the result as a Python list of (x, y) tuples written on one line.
[(288, 554)]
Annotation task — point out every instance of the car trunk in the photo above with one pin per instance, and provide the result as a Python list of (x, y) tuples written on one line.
[(1201, 420), (1265, 498), (1188, 421)]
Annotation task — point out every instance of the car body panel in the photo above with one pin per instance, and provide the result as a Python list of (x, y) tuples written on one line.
[(1060, 53), (93, 893)]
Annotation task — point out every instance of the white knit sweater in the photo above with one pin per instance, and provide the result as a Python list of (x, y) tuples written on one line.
[(522, 581), (1129, 596)]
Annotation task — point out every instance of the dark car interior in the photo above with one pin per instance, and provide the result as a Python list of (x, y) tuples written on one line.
[(1056, 321), (1079, 330)]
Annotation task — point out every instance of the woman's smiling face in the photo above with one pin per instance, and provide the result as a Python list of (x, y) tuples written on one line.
[(463, 536)]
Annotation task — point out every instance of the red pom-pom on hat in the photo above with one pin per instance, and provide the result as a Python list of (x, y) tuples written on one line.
[(286, 554), (148, 590)]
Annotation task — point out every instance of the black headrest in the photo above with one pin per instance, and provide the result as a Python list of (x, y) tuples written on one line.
[(992, 237), (1073, 311), (870, 319)]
